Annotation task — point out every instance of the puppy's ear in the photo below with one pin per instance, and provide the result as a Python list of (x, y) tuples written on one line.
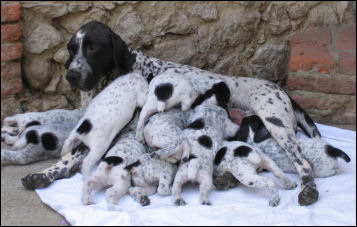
[(122, 58)]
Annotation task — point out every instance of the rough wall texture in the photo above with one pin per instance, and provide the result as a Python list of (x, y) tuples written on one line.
[(306, 47)]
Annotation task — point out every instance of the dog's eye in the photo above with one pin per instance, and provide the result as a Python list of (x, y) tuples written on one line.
[(92, 47)]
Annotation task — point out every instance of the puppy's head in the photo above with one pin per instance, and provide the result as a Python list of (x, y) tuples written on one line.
[(95, 50)]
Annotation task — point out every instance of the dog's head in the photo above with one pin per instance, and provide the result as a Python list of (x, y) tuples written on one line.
[(95, 50)]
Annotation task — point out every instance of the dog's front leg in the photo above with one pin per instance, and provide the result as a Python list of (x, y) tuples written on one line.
[(67, 165)]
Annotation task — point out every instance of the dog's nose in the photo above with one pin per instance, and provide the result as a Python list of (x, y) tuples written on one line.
[(73, 77)]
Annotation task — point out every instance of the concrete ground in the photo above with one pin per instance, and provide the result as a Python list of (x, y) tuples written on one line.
[(23, 207)]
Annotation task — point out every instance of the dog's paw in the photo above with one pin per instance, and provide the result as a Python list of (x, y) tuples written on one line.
[(9, 134), (180, 202), (34, 181), (290, 185), (206, 203), (144, 200), (308, 194), (274, 203)]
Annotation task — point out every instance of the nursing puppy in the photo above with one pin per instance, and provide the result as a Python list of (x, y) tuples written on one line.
[(243, 160), (105, 116), (171, 89), (208, 126), (164, 132), (111, 170), (150, 174), (321, 155), (38, 142)]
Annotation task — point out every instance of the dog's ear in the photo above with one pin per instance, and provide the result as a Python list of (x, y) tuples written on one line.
[(122, 58)]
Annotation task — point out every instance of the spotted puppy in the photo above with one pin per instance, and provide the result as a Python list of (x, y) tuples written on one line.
[(15, 125), (150, 174), (105, 116), (208, 126), (38, 142), (164, 134), (321, 155), (243, 160), (111, 170), (171, 89)]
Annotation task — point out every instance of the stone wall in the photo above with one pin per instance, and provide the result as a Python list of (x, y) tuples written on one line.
[(242, 38)]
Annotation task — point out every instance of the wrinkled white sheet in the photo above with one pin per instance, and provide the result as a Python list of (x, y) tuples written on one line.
[(238, 206)]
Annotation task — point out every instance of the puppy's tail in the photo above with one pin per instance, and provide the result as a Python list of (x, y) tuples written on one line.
[(193, 166), (335, 152), (84, 127)]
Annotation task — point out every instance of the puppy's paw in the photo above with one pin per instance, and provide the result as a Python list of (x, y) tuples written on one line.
[(180, 202), (144, 200)]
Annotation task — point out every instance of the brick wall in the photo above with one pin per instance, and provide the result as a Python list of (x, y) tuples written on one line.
[(11, 49), (322, 76)]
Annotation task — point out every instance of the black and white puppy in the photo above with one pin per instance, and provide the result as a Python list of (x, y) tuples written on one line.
[(208, 126), (40, 138), (321, 155), (104, 118), (111, 171), (280, 114), (164, 133), (243, 160)]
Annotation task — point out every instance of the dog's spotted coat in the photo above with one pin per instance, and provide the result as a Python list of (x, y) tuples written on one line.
[(321, 155), (243, 160), (203, 139), (278, 112), (164, 133)]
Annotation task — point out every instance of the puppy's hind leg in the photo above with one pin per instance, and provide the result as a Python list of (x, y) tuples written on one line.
[(249, 178), (140, 194), (147, 110)]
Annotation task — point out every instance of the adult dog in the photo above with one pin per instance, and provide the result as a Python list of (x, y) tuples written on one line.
[(96, 51)]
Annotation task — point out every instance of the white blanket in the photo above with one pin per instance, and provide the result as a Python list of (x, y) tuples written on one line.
[(238, 206)]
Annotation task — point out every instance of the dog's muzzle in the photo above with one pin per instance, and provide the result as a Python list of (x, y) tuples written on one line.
[(73, 78)]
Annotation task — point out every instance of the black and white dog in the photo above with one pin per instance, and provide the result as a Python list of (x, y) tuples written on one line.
[(96, 51)]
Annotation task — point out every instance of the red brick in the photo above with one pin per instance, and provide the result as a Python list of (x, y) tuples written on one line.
[(11, 81), (10, 12), (11, 51), (347, 63), (10, 87), (10, 70), (310, 50), (346, 38), (11, 32), (305, 57), (320, 37), (326, 85)]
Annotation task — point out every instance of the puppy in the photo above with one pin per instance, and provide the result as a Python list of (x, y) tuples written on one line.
[(105, 116), (110, 172), (150, 174), (171, 89), (38, 142), (321, 156), (208, 126), (165, 91), (243, 160), (15, 125), (164, 131)]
